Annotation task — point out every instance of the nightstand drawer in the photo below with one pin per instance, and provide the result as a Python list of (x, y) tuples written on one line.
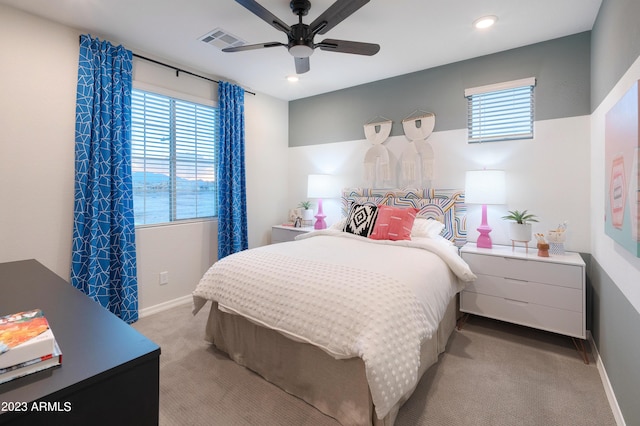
[(528, 291), (526, 270), (529, 314), (280, 234)]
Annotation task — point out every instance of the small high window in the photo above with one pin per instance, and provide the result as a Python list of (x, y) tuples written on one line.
[(500, 112)]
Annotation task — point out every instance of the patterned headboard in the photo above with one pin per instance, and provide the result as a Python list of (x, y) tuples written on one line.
[(445, 205)]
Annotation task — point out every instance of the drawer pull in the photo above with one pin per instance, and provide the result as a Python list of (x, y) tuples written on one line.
[(518, 302)]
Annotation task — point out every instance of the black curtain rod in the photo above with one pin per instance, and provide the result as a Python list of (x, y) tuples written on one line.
[(179, 70)]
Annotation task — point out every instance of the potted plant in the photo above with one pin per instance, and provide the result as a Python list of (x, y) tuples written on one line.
[(520, 228), (307, 212)]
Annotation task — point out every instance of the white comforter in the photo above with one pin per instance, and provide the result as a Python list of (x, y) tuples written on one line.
[(348, 295)]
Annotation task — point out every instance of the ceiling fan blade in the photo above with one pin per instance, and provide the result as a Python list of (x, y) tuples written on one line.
[(265, 15), (302, 65), (335, 14), (252, 46), (344, 46)]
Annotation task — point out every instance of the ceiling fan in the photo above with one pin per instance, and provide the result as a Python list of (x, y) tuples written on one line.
[(301, 44)]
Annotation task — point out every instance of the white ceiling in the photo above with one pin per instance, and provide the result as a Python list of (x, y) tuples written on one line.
[(413, 35)]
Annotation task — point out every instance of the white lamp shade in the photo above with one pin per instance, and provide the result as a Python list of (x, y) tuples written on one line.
[(485, 187), (320, 186)]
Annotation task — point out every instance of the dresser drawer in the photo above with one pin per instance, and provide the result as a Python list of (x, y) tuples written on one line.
[(528, 291), (547, 318), (525, 270)]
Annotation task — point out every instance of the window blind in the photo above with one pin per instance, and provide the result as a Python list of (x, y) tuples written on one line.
[(500, 112), (173, 158)]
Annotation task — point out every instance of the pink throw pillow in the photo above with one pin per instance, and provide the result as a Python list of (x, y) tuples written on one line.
[(394, 223)]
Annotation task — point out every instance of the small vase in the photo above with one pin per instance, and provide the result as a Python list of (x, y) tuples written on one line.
[(543, 249), (520, 231)]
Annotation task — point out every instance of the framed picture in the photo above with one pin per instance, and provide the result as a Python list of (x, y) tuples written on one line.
[(294, 214), (622, 143)]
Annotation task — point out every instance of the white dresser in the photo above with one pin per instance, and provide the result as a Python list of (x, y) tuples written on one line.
[(282, 233), (547, 293)]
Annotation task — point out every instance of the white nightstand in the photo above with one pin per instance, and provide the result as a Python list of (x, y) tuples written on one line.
[(520, 287), (282, 233)]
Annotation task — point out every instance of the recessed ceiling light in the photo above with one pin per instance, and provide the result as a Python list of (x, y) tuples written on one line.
[(292, 78), (485, 21)]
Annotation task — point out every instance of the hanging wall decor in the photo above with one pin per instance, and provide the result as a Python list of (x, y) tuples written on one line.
[(377, 162), (622, 174), (417, 158)]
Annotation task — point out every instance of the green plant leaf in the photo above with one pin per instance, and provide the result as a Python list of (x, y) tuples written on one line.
[(520, 217)]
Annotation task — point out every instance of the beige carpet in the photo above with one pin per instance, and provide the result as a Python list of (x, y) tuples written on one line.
[(492, 373)]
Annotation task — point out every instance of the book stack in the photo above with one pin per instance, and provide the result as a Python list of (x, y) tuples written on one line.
[(27, 345)]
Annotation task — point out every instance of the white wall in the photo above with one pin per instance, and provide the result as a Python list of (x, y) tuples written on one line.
[(266, 164), (37, 124), (619, 264), (545, 175), (39, 63), (184, 251)]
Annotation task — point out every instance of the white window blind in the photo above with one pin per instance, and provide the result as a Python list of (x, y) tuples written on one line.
[(500, 112), (173, 144)]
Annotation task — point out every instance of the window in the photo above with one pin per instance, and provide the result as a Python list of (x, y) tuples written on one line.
[(500, 112), (173, 144)]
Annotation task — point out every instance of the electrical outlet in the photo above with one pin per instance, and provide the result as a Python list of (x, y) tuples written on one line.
[(164, 278)]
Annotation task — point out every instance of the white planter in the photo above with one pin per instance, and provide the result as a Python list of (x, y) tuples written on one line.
[(307, 214), (520, 232)]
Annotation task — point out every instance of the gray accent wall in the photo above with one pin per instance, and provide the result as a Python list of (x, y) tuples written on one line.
[(561, 67), (614, 47), (616, 331)]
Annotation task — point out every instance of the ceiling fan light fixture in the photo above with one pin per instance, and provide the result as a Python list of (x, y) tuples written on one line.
[(301, 35), (301, 51), (485, 22)]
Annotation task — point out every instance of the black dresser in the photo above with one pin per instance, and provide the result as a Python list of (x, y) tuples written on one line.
[(109, 373)]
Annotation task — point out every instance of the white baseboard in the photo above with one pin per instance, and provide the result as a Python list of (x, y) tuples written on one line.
[(608, 389), (165, 305)]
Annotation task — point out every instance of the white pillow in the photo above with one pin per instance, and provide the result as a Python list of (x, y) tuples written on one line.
[(426, 227), (339, 225)]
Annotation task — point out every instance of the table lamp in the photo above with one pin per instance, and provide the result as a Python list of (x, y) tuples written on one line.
[(319, 186), (485, 187)]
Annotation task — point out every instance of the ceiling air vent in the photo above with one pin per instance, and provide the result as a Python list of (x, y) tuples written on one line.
[(221, 39)]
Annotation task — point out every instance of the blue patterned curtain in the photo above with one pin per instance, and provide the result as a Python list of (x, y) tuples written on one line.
[(103, 261), (232, 199)]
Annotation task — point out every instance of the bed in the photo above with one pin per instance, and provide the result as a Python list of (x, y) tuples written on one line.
[(347, 321)]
